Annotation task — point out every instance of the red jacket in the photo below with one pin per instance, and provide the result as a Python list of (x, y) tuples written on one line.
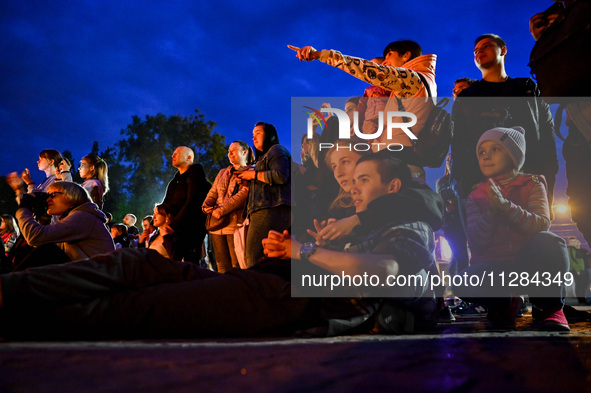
[(506, 240)]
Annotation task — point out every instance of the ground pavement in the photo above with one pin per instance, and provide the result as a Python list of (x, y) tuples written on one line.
[(465, 356)]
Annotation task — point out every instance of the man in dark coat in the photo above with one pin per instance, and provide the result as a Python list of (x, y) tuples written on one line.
[(185, 194)]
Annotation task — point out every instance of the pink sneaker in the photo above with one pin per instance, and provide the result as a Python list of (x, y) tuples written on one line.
[(555, 322)]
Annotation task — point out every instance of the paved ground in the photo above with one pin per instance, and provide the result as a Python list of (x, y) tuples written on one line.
[(465, 356)]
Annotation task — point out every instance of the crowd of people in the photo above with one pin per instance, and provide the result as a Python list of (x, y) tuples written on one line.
[(53, 229), (343, 212)]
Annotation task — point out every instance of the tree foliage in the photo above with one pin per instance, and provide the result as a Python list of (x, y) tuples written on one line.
[(143, 165), (140, 164)]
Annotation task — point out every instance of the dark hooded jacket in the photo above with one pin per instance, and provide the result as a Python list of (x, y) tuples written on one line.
[(399, 224), (415, 202)]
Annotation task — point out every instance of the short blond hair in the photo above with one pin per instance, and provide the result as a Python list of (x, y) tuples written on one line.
[(73, 193)]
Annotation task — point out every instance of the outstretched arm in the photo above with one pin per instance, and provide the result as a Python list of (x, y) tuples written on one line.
[(404, 82)]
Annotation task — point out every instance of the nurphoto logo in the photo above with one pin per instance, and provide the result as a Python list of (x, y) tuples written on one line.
[(393, 121)]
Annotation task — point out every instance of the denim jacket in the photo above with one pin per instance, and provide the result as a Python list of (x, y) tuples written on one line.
[(276, 166)]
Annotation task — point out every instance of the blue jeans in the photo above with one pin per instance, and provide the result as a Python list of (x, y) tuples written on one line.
[(223, 249), (544, 254), (276, 218)]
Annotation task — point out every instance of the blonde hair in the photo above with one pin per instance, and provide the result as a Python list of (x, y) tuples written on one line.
[(342, 143), (344, 199), (11, 225), (313, 149), (73, 193), (100, 170)]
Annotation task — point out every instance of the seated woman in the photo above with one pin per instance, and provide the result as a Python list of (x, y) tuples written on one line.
[(79, 233), (341, 162), (161, 238)]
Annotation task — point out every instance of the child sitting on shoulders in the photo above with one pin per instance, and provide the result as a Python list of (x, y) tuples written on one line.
[(507, 222)]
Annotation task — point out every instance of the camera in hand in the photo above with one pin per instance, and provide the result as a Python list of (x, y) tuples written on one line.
[(37, 203)]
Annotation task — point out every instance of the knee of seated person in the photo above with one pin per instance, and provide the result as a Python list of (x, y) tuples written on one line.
[(546, 239), (551, 249)]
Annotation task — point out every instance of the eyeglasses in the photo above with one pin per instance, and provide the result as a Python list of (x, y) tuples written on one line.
[(53, 194)]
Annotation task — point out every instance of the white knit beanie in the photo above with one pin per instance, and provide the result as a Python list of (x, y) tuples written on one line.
[(512, 139)]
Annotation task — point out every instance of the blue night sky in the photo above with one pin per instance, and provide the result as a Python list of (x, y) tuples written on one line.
[(77, 71)]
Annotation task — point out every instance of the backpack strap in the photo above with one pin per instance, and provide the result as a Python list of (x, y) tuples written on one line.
[(441, 103), (425, 83)]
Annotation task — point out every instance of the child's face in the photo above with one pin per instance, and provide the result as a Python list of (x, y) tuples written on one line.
[(494, 160), (86, 170)]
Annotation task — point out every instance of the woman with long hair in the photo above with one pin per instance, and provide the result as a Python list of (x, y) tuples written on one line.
[(162, 238), (310, 151), (269, 195), (48, 161), (138, 293), (227, 197), (9, 231), (94, 171), (341, 160)]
